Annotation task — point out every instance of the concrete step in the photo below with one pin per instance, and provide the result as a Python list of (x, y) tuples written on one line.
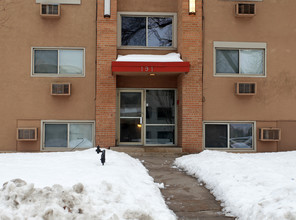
[(144, 150)]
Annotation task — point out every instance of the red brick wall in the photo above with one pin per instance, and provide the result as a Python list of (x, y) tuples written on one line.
[(190, 84), (106, 82), (146, 82)]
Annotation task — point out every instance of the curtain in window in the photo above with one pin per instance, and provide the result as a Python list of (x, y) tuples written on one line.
[(251, 61), (80, 136), (71, 61), (241, 136)]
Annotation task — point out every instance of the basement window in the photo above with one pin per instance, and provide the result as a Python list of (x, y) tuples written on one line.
[(68, 135), (232, 135)]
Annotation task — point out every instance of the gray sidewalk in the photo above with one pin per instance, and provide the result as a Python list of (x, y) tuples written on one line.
[(182, 193)]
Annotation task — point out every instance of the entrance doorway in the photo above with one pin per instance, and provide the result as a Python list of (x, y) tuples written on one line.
[(146, 117)]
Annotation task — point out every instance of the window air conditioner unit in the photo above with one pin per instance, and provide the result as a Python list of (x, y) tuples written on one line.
[(269, 134), (245, 10), (61, 89), (242, 88), (26, 134), (50, 10)]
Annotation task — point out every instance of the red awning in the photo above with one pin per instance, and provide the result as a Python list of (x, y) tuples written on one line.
[(142, 68)]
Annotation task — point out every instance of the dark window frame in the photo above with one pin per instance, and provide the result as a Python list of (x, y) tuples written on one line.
[(228, 138)]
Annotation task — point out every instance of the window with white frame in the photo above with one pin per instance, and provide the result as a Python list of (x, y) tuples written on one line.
[(68, 135), (59, 62), (147, 30), (240, 59), (232, 135)]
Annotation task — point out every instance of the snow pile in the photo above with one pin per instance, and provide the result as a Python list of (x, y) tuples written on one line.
[(20, 200), (250, 186), (74, 185), (171, 57)]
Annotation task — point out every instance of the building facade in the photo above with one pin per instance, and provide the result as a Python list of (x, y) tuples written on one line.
[(247, 45), (47, 75), (147, 75)]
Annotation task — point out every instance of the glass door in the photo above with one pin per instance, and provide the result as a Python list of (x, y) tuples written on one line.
[(131, 117), (160, 119)]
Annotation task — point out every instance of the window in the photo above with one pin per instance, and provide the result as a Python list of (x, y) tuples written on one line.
[(147, 30), (58, 62), (68, 135), (240, 59), (234, 135)]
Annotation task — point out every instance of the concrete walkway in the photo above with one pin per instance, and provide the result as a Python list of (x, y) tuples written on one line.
[(183, 194)]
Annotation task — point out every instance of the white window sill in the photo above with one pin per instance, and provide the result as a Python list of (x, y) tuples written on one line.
[(239, 75), (57, 75), (145, 48)]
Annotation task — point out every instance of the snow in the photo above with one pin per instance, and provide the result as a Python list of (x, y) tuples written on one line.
[(74, 185), (259, 186), (171, 57)]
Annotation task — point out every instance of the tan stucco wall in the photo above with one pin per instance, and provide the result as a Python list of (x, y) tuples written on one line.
[(26, 100), (276, 93), (288, 129)]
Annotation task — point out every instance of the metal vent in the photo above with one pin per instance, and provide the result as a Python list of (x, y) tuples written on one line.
[(269, 134), (27, 134), (245, 9), (60, 89), (245, 88)]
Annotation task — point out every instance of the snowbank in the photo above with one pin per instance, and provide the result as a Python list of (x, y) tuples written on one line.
[(74, 185), (258, 186), (171, 57)]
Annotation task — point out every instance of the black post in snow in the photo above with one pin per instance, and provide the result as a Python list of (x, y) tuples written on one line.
[(103, 156)]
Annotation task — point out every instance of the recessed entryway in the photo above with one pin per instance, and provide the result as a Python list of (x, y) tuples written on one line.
[(146, 117)]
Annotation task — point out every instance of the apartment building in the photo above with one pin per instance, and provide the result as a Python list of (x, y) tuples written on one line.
[(172, 74), (145, 99), (248, 79), (63, 87), (47, 66)]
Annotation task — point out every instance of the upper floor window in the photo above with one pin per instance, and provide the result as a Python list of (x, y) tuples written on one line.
[(58, 62), (240, 59), (147, 30)]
